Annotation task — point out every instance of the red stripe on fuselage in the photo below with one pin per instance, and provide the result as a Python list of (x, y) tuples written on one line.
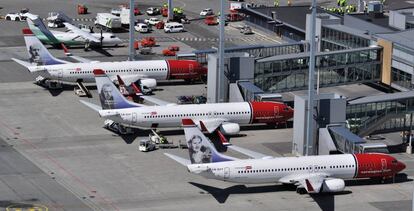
[(183, 69), (270, 112)]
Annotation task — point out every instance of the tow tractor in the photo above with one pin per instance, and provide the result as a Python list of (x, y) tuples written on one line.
[(117, 127), (146, 145), (51, 84), (160, 140)]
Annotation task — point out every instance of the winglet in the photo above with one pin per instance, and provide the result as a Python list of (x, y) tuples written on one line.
[(203, 127), (309, 187), (27, 31), (98, 72), (65, 49), (187, 122), (223, 139)]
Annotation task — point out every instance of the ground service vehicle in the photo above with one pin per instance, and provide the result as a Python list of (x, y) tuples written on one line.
[(142, 27), (153, 11), (246, 30), (17, 16), (108, 21), (148, 42), (152, 21), (173, 27), (146, 145), (207, 11), (211, 20)]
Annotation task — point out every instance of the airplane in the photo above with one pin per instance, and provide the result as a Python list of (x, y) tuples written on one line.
[(311, 174), (75, 36), (224, 116), (147, 72)]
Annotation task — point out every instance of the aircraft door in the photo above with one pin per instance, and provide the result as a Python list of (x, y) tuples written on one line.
[(191, 68), (134, 118), (60, 74), (383, 165), (226, 172), (276, 112)]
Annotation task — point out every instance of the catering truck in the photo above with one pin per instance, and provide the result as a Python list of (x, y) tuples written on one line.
[(108, 22)]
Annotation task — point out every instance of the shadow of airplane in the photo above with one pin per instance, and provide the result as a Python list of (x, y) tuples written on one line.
[(65, 87), (326, 201), (221, 195)]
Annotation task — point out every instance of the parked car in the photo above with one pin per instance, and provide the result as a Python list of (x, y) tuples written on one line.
[(152, 21), (142, 27), (207, 11), (153, 11), (17, 16), (246, 30), (173, 27)]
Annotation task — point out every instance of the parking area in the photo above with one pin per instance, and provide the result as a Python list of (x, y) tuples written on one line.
[(55, 152)]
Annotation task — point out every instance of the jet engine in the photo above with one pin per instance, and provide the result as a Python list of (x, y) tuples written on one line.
[(148, 82), (333, 185), (230, 128)]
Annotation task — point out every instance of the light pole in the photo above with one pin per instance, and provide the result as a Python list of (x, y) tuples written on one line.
[(311, 75), (131, 31), (221, 49)]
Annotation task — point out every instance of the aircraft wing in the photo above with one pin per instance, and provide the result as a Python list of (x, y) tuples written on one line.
[(250, 153), (157, 101), (312, 182), (77, 58), (210, 125), (180, 160), (78, 31)]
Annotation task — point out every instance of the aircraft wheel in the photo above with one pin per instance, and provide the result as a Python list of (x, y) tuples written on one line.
[(8, 18)]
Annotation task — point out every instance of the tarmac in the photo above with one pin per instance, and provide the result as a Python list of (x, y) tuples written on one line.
[(55, 153)]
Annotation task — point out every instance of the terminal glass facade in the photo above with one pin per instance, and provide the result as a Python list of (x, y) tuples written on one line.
[(332, 69), (388, 114), (334, 40)]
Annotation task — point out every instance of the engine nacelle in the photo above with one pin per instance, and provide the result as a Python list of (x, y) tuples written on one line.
[(333, 185), (230, 128), (149, 83)]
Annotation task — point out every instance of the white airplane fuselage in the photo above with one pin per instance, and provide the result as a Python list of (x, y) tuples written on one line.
[(70, 38), (279, 170), (172, 115), (154, 69)]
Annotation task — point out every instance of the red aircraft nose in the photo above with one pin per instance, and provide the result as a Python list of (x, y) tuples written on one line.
[(400, 166)]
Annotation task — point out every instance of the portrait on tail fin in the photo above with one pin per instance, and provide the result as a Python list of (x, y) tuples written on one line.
[(34, 55), (199, 153), (106, 97)]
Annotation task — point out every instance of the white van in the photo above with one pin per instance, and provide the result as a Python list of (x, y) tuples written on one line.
[(142, 27), (173, 27)]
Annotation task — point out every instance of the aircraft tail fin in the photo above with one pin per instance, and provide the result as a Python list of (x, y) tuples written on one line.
[(37, 26), (37, 51), (200, 148), (109, 95)]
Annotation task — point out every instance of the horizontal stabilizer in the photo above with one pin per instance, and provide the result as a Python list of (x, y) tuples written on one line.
[(180, 160), (91, 105), (250, 153), (28, 65)]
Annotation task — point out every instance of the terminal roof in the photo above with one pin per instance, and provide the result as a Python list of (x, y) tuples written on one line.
[(383, 98), (403, 38)]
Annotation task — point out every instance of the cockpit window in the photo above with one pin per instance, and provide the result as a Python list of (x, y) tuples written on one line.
[(112, 36), (286, 109), (394, 161)]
